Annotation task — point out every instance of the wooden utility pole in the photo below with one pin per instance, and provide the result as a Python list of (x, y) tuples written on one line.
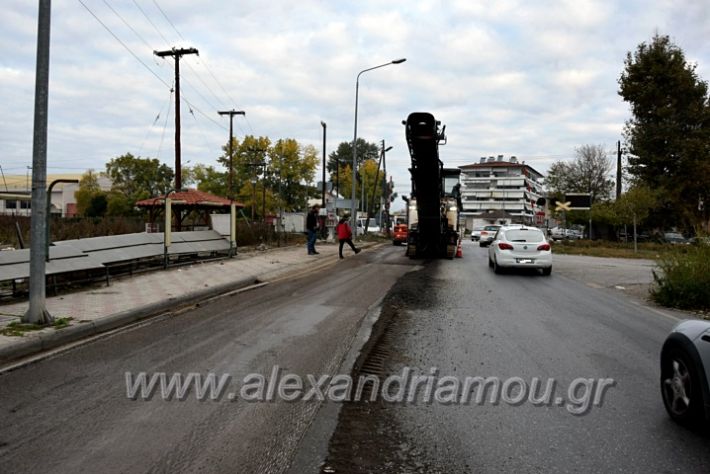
[(231, 113), (177, 54)]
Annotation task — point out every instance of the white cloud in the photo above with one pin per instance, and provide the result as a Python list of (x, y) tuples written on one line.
[(534, 79)]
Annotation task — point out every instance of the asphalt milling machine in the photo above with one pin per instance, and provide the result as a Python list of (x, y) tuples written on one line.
[(435, 202)]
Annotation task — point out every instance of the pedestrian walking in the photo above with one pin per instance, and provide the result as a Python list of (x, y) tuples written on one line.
[(345, 236), (312, 228)]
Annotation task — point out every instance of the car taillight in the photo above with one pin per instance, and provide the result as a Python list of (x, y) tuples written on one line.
[(544, 247), (504, 246)]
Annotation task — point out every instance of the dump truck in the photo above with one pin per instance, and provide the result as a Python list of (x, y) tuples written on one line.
[(435, 201)]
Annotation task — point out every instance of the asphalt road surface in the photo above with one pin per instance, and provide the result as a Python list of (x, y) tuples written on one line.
[(461, 318), (71, 413)]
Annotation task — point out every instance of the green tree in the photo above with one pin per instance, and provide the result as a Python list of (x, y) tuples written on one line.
[(293, 168), (668, 136), (139, 178), (635, 205), (209, 179), (343, 156), (87, 195), (248, 156)]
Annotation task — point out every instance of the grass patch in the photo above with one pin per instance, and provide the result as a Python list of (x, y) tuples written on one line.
[(684, 280), (601, 248), (18, 328)]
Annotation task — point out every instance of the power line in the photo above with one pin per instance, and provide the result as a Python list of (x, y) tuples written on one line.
[(123, 44), (167, 43), (129, 26), (157, 117), (209, 70), (165, 125), (168, 20)]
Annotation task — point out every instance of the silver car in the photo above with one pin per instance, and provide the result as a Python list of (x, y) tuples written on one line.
[(685, 372)]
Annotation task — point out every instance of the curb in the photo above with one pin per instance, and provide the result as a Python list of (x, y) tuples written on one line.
[(43, 342)]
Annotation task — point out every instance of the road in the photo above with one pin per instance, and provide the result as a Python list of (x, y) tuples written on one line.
[(463, 319), (71, 413)]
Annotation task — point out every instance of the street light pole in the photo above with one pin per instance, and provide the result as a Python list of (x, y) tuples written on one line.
[(37, 312), (357, 88), (323, 183)]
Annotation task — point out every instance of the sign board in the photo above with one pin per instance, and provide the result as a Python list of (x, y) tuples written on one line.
[(578, 201)]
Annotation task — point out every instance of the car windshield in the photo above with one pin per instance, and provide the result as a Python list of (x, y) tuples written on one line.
[(524, 235), (491, 227)]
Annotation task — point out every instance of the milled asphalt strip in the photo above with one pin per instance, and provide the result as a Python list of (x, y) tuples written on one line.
[(53, 343), (41, 346)]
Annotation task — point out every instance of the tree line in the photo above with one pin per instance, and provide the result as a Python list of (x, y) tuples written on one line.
[(666, 145), (265, 176)]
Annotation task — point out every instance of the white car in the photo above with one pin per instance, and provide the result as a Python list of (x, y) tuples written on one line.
[(476, 234), (685, 372), (520, 247)]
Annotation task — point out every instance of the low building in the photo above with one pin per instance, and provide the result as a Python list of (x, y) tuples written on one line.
[(500, 191), (16, 192)]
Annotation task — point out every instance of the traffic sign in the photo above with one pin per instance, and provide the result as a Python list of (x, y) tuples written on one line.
[(563, 206)]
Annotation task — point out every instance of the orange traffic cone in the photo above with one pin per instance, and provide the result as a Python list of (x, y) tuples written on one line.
[(459, 251)]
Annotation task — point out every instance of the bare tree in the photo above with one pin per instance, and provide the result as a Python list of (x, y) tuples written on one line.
[(592, 170), (587, 173)]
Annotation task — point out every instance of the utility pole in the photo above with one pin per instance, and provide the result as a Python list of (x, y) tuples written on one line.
[(177, 54), (231, 113), (385, 191), (374, 188), (37, 312), (323, 199), (618, 169)]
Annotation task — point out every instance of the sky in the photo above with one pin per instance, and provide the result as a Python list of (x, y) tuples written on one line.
[(534, 79)]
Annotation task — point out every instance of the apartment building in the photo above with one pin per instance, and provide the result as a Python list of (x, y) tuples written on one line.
[(501, 191)]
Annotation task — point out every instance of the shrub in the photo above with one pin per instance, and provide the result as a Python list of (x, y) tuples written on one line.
[(684, 279)]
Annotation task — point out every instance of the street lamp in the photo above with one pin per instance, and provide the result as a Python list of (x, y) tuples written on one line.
[(323, 181), (357, 87)]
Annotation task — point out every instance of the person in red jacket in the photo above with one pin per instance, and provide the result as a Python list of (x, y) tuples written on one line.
[(345, 235)]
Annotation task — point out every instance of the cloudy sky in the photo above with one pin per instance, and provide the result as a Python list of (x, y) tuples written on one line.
[(530, 78)]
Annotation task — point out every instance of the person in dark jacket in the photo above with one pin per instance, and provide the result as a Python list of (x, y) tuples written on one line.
[(312, 228), (345, 235)]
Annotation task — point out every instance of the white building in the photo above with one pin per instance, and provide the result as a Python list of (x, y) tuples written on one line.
[(499, 191), (62, 199)]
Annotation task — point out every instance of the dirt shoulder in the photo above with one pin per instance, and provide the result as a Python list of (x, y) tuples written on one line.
[(632, 276)]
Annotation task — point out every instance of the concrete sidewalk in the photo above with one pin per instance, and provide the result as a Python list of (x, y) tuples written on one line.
[(128, 299)]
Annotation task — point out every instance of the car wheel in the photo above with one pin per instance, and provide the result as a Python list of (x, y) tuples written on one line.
[(547, 271), (680, 386), (481, 244), (490, 262), (496, 268)]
